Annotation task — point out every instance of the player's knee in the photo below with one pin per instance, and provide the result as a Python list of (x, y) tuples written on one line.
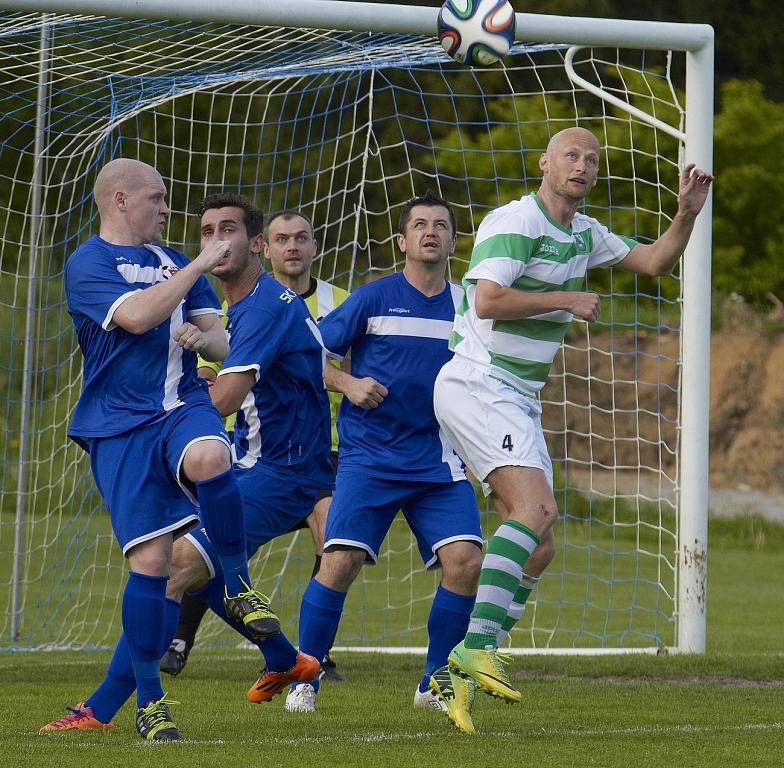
[(339, 568), (461, 567), (205, 460), (149, 561), (540, 517)]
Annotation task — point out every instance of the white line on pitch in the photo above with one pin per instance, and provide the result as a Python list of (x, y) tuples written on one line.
[(371, 738)]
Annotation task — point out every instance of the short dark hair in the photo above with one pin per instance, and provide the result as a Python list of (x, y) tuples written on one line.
[(430, 199), (286, 215), (252, 216)]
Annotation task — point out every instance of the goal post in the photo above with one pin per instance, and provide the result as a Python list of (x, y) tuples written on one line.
[(346, 125)]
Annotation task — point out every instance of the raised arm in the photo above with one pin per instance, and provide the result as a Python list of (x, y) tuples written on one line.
[(660, 257), (147, 308)]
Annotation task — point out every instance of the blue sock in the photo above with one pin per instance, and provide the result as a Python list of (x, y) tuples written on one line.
[(116, 687), (120, 681), (319, 616), (171, 618), (279, 654), (446, 627), (220, 501), (143, 618)]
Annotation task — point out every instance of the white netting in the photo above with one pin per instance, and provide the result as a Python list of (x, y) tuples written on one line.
[(347, 127)]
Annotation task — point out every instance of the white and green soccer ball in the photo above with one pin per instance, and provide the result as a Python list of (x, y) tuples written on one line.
[(476, 32)]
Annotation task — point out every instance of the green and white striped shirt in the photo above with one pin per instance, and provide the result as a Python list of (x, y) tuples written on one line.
[(521, 246)]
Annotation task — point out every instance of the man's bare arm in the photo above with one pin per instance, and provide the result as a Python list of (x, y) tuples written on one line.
[(365, 393), (660, 257)]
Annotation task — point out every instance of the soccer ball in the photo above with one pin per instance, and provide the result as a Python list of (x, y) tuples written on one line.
[(476, 32)]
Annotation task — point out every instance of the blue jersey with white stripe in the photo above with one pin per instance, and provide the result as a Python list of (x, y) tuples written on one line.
[(284, 422), (398, 336), (129, 379)]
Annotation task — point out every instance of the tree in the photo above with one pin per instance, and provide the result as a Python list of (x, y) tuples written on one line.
[(748, 229)]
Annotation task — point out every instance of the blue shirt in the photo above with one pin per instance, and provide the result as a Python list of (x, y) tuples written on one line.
[(129, 379), (284, 422), (398, 336)]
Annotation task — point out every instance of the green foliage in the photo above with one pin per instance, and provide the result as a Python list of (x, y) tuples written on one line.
[(748, 211)]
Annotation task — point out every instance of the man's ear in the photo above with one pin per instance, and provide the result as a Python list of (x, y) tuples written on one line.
[(257, 245)]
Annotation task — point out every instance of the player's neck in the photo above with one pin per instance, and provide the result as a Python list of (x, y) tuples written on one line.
[(119, 236), (239, 287), (561, 209), (298, 283), (428, 279)]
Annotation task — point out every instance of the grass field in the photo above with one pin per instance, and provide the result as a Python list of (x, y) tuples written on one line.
[(722, 709)]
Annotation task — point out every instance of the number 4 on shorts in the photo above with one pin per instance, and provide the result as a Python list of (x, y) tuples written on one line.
[(507, 443)]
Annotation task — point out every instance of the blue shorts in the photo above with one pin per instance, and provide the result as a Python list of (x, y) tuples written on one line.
[(138, 473), (272, 508), (363, 509)]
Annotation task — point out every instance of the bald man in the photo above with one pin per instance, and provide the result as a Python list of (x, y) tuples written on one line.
[(157, 448), (522, 289)]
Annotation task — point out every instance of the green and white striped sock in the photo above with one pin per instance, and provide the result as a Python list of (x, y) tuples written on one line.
[(517, 607), (502, 570)]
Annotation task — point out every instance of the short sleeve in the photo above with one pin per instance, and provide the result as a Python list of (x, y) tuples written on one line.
[(500, 258), (94, 287), (346, 324), (608, 248), (255, 340)]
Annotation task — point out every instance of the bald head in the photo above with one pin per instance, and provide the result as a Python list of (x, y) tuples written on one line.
[(121, 175), (131, 200), (572, 135)]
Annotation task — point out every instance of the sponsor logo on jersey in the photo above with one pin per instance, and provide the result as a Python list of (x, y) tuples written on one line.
[(288, 296), (547, 248), (399, 310), (168, 271)]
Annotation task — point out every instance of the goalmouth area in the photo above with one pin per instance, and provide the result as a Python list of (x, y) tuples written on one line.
[(346, 110)]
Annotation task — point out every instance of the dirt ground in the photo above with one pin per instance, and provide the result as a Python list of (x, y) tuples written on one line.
[(623, 394)]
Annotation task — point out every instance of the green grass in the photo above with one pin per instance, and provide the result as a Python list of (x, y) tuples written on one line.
[(721, 709)]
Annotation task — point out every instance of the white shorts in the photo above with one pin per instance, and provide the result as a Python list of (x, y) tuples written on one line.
[(489, 423)]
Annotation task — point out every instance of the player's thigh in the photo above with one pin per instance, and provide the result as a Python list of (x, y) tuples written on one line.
[(272, 506), (197, 446), (362, 512), (317, 520), (442, 513), (141, 494), (489, 423)]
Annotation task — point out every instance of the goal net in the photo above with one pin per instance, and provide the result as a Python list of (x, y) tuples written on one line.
[(345, 126)]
